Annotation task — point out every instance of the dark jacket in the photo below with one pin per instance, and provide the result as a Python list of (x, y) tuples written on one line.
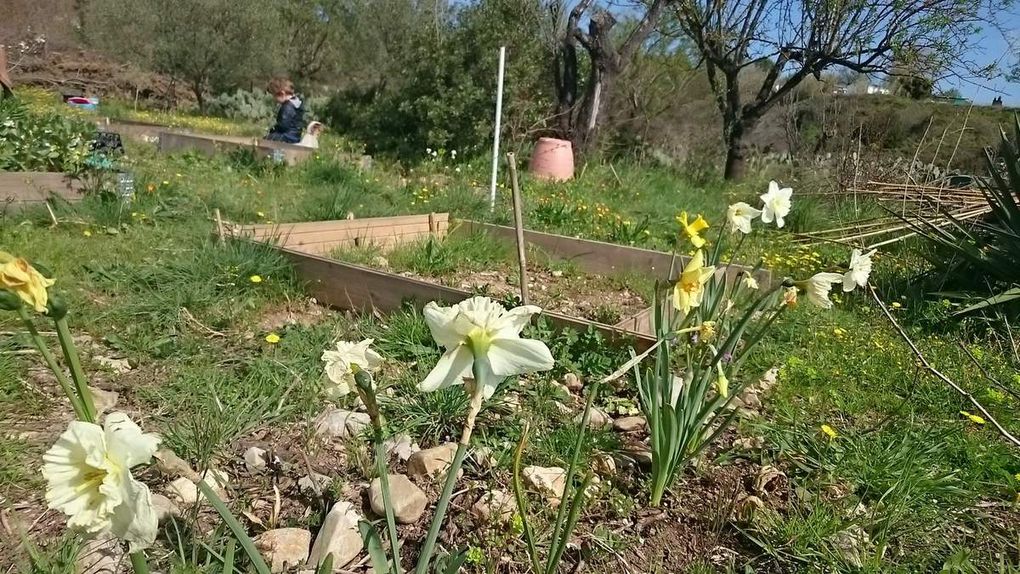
[(290, 122)]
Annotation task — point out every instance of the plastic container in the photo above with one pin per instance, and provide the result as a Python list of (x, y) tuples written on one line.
[(553, 160)]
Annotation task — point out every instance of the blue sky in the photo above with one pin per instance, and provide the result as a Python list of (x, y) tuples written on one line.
[(993, 47)]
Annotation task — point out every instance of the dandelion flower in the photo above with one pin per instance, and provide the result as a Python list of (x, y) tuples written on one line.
[(261, 215), (483, 340), (690, 286), (342, 363), (693, 230), (829, 432), (87, 233), (818, 288), (860, 270), (973, 418), (740, 215), (895, 305), (272, 338), (776, 204), (255, 279), (20, 278), (88, 478)]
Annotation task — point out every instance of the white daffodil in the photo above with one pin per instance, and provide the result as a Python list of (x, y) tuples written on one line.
[(740, 215), (749, 282), (482, 337), (88, 477), (818, 288), (860, 270), (341, 364), (776, 204)]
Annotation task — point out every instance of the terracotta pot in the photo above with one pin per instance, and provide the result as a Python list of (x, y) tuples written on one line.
[(553, 159)]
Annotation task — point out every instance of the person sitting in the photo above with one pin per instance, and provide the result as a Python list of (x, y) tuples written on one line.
[(311, 137), (290, 116)]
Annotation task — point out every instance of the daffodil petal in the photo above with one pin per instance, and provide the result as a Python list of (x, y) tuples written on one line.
[(126, 442), (451, 369), (513, 356), (513, 322), (134, 520), (441, 324), (77, 456)]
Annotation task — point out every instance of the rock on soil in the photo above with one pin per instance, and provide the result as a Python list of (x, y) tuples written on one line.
[(550, 482), (336, 423), (431, 462), (255, 460), (164, 507), (573, 383), (284, 548), (339, 535), (105, 401), (102, 555), (403, 446), (630, 424), (597, 419), (408, 500), (495, 506)]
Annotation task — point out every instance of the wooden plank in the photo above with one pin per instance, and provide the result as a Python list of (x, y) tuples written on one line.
[(339, 224), (36, 187), (404, 233), (640, 322), (211, 145), (600, 257), (348, 286)]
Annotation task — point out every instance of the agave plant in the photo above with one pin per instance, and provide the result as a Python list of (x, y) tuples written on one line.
[(985, 255)]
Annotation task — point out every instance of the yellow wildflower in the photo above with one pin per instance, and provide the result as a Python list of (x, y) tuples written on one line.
[(255, 279), (261, 215), (690, 286), (272, 338), (895, 305), (706, 332), (829, 432), (693, 230), (87, 233), (20, 278), (973, 418)]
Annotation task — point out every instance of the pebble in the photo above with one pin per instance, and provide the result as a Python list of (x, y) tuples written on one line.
[(255, 460), (408, 500), (597, 419), (338, 535), (547, 481), (495, 506), (336, 423), (572, 382), (630, 424), (403, 446), (284, 548), (105, 401), (431, 462)]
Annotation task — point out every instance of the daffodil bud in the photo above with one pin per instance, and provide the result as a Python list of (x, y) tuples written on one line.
[(56, 307), (9, 301), (363, 379)]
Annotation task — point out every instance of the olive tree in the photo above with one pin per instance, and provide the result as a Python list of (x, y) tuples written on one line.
[(794, 39)]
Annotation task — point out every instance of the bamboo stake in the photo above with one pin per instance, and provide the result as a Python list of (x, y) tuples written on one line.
[(518, 226), (219, 225), (924, 361)]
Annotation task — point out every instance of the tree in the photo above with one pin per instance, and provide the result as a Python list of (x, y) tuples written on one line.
[(578, 115), (208, 44), (801, 38)]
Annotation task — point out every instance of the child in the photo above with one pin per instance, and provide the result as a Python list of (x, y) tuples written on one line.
[(290, 116), (311, 137)]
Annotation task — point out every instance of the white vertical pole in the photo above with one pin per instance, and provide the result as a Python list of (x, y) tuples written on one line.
[(495, 137)]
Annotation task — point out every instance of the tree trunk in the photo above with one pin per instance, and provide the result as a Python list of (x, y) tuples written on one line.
[(737, 149)]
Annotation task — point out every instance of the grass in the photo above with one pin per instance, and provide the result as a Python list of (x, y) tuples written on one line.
[(908, 485)]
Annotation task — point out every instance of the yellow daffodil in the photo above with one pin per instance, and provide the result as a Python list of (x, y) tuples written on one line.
[(342, 363), (973, 418), (693, 230), (483, 340), (255, 279), (690, 286), (20, 278), (88, 478), (272, 338), (829, 432)]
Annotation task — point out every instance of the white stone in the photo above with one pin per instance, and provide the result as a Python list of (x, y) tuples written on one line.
[(597, 419), (105, 401), (183, 490), (119, 366), (338, 423), (218, 480), (102, 555), (339, 536), (305, 483), (603, 464), (494, 506), (172, 465), (431, 462), (547, 481), (164, 507), (630, 424), (407, 499), (403, 446), (284, 548), (255, 460), (572, 382)]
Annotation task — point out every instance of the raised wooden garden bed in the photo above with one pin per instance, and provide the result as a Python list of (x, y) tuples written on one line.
[(173, 142), (144, 131), (351, 286), (26, 188)]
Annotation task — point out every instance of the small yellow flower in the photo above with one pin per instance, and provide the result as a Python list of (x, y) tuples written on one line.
[(973, 418), (693, 230), (166, 182), (87, 233), (272, 338), (706, 332), (255, 279), (261, 215), (1017, 476), (896, 305), (151, 188), (829, 432)]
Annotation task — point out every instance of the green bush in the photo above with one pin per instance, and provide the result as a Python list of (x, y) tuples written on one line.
[(41, 142), (250, 105)]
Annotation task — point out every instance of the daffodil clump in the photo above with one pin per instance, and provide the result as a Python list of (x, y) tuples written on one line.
[(718, 314)]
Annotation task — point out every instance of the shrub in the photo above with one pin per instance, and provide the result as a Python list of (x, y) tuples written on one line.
[(41, 142), (250, 105)]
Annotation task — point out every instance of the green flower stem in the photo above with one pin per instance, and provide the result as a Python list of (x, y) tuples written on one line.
[(79, 409), (451, 477), (77, 374), (138, 563), (364, 384)]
